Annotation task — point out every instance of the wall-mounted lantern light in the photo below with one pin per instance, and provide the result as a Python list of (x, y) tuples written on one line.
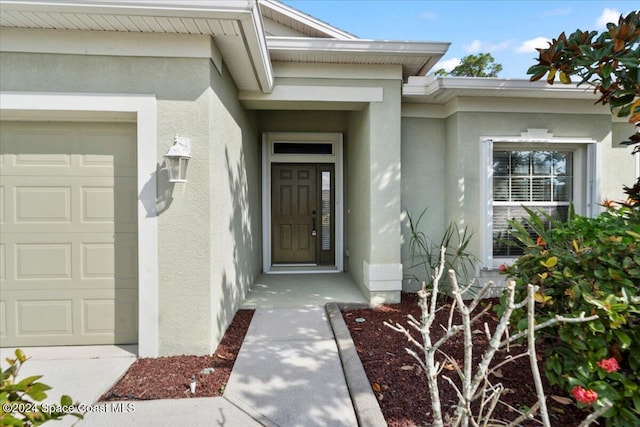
[(178, 158)]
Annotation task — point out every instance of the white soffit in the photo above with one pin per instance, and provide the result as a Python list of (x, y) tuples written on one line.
[(431, 90), (235, 25), (416, 58)]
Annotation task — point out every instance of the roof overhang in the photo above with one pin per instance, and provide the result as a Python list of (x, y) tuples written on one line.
[(416, 58), (441, 90), (234, 25), (299, 21)]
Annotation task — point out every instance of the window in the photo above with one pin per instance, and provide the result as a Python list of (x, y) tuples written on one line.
[(538, 179), (535, 170)]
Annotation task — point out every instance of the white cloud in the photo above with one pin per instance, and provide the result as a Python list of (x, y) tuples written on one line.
[(607, 15), (474, 47), (448, 64), (530, 46), (478, 46)]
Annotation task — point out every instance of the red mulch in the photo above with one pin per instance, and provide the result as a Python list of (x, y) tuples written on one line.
[(400, 384), (169, 377), (403, 392)]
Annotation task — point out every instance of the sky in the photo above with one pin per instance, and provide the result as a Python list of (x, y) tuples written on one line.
[(509, 30)]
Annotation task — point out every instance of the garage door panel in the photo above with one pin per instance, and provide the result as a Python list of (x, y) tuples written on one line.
[(28, 147), (42, 204), (116, 204), (126, 258), (43, 261), (63, 261), (69, 149), (2, 205), (116, 316), (90, 204), (110, 149), (102, 316), (68, 247), (3, 262), (3, 320), (115, 261), (37, 317)]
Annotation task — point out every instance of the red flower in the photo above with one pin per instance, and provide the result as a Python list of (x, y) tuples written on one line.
[(502, 268), (609, 365), (588, 397)]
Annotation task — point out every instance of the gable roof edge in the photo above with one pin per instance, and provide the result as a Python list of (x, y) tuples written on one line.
[(307, 20)]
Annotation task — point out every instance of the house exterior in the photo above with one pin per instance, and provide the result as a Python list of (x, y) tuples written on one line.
[(308, 145)]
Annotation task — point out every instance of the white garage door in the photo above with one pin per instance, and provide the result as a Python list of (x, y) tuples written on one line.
[(68, 247)]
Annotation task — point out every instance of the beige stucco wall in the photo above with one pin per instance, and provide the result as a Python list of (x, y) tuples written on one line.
[(423, 175), (618, 165), (358, 201), (441, 162), (208, 228)]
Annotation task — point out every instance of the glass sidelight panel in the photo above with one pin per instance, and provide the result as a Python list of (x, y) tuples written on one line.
[(326, 210), (326, 203)]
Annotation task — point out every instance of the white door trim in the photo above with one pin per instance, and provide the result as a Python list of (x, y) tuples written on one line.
[(141, 109), (268, 157)]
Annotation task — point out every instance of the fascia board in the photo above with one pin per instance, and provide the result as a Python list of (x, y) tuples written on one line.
[(307, 20), (253, 29), (364, 46), (195, 9), (433, 88)]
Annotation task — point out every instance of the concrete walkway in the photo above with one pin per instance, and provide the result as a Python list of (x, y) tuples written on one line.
[(289, 372), (296, 367)]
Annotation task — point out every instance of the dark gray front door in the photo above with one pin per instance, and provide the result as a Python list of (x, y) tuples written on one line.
[(302, 214), (294, 213)]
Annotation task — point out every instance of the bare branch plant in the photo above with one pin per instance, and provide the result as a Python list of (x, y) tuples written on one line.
[(475, 380)]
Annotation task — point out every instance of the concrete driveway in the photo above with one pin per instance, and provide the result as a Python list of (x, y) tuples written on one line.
[(82, 372)]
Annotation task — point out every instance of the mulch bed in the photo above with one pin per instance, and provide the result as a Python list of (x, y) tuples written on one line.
[(169, 377), (400, 384), (397, 380)]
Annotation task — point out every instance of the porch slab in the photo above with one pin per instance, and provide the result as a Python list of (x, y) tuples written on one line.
[(302, 290)]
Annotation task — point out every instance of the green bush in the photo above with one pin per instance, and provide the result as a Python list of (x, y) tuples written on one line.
[(590, 266), (18, 398), (424, 252)]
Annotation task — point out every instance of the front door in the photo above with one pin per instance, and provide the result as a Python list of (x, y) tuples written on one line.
[(302, 213)]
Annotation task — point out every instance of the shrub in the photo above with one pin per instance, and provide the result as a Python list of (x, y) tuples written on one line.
[(591, 266), (424, 253), (18, 398)]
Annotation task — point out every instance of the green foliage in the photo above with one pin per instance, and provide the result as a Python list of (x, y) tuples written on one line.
[(425, 253), (609, 61), (480, 65), (18, 398), (590, 266)]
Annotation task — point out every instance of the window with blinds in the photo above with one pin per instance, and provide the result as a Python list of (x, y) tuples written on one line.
[(538, 179)]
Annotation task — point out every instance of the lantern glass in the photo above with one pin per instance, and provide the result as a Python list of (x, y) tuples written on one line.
[(177, 168)]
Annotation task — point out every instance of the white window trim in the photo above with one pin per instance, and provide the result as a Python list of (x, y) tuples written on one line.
[(268, 157), (141, 109), (528, 139)]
